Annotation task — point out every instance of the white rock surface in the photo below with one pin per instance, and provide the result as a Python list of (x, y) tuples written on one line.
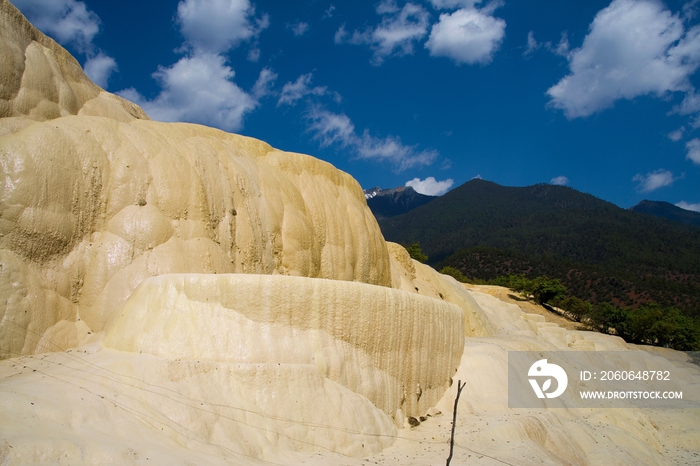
[(291, 333), (397, 349)]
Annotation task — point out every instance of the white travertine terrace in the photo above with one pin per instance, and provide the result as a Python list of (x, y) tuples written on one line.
[(387, 345), (174, 294)]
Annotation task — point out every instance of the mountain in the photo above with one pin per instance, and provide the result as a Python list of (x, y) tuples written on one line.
[(391, 202), (600, 251), (667, 211)]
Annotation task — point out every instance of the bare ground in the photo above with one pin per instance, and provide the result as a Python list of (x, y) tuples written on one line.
[(509, 296)]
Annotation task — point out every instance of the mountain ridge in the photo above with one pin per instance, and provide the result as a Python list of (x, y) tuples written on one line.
[(600, 251), (667, 211), (386, 203)]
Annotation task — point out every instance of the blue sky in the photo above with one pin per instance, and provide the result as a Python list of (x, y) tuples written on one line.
[(601, 96)]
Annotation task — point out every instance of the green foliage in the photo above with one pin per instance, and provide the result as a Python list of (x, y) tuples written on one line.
[(517, 283), (577, 308), (546, 290), (415, 251), (542, 289), (455, 273), (650, 324), (653, 325), (607, 318)]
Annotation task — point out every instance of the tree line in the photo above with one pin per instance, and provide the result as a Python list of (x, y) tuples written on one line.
[(648, 324)]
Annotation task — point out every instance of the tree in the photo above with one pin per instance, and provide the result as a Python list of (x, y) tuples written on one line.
[(545, 289), (607, 318), (416, 253), (578, 308)]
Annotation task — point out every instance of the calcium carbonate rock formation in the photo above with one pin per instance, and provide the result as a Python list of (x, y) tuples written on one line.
[(173, 294), (388, 345), (96, 199), (93, 205)]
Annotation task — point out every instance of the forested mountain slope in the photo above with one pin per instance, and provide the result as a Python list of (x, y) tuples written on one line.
[(600, 251)]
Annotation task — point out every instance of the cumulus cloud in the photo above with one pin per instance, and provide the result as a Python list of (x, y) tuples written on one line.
[(430, 186), (100, 68), (559, 181), (688, 206), (693, 147), (654, 180), (395, 35), (197, 89), (468, 35), (294, 91), (215, 26), (634, 47), (333, 128)]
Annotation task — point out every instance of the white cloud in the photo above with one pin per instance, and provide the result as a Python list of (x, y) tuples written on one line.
[(215, 26), (329, 12), (197, 89), (67, 21), (688, 206), (386, 7), (532, 44), (448, 4), (340, 35), (693, 147), (392, 150), (562, 47), (396, 33), (430, 186), (298, 29), (654, 180), (100, 68), (333, 128), (690, 9), (676, 135), (292, 92), (263, 85), (634, 47), (689, 105), (559, 181), (467, 36)]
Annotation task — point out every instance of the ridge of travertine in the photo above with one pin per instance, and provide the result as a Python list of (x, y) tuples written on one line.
[(174, 294), (40, 80)]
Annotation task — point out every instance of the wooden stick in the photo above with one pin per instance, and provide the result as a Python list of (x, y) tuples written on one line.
[(460, 386)]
